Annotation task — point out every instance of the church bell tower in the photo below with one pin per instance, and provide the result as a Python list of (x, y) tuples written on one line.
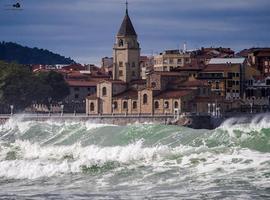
[(126, 52)]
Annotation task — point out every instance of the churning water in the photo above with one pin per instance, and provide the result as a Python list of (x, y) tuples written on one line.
[(84, 160)]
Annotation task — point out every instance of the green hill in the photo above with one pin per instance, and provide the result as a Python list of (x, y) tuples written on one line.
[(13, 52)]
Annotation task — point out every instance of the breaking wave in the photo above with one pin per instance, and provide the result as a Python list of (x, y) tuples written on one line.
[(141, 154)]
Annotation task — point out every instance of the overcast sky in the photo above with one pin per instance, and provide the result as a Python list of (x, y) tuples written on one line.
[(85, 29)]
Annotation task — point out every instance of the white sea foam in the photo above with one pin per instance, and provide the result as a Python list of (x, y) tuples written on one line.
[(257, 123), (35, 161)]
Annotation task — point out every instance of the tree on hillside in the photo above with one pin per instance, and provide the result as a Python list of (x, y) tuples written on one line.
[(59, 89), (12, 52), (21, 88), (17, 86)]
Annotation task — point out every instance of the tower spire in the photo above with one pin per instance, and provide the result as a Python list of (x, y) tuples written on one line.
[(126, 7)]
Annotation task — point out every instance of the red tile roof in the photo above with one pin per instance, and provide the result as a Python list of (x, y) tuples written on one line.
[(259, 78), (209, 99), (195, 83), (80, 83), (216, 68), (128, 94), (92, 96), (114, 81), (143, 58), (168, 73), (173, 94), (76, 74), (263, 54), (138, 81), (74, 67)]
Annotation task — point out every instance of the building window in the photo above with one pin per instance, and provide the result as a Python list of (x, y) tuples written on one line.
[(176, 105), (104, 91), (120, 64), (171, 68), (263, 91), (179, 61), (153, 85), (134, 105), (133, 74), (133, 64), (115, 105), (76, 96), (145, 99), (230, 83), (217, 85), (125, 105), (76, 89), (204, 91), (171, 61), (89, 89), (165, 61), (166, 104), (92, 106), (156, 105), (120, 73), (120, 43)]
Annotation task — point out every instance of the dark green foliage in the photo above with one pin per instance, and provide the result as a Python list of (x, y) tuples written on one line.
[(20, 87), (17, 86), (57, 86), (12, 52)]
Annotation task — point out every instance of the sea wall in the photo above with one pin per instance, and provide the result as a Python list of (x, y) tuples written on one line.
[(117, 120), (192, 121)]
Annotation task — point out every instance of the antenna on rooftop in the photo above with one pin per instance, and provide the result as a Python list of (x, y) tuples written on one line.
[(185, 47)]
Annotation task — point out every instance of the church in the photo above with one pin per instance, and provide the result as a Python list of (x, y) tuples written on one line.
[(128, 94)]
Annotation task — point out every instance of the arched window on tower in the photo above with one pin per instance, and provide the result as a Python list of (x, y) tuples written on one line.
[(115, 105), (156, 105), (120, 43), (134, 105), (176, 105), (125, 105), (166, 104), (145, 99), (104, 91), (92, 106), (153, 85)]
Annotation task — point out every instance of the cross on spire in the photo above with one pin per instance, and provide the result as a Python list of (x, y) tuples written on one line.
[(126, 7)]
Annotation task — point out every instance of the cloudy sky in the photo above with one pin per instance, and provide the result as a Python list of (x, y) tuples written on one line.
[(84, 29)]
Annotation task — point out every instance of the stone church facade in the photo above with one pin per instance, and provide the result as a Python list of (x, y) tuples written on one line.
[(128, 94)]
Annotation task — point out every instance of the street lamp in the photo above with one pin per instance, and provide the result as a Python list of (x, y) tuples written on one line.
[(209, 108), (62, 110), (251, 105), (11, 109), (113, 107), (50, 105), (214, 109)]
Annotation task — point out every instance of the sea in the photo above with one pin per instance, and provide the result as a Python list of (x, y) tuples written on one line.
[(86, 160)]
